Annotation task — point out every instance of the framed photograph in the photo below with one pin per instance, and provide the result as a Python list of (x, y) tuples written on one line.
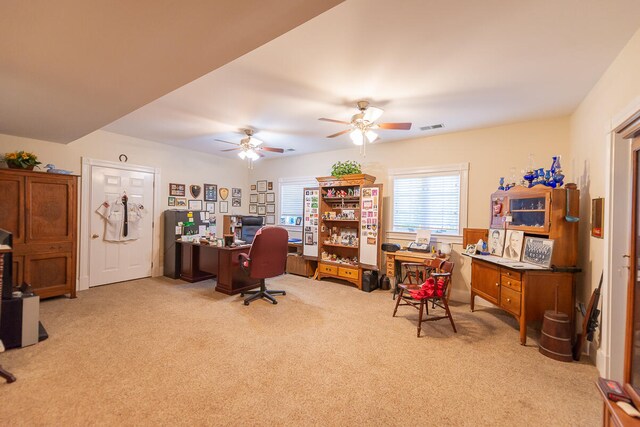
[(253, 198), (171, 201), (271, 209), (470, 250), (308, 238), (253, 209), (224, 207), (270, 185), (236, 192), (597, 218), (261, 198), (195, 205), (210, 207), (236, 202), (253, 187), (496, 241), (210, 193), (298, 220), (177, 190), (262, 210), (271, 219), (262, 186), (181, 202), (271, 197), (538, 251), (513, 245)]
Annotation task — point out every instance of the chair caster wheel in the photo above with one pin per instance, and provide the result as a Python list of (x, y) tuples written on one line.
[(246, 303), (241, 294), (284, 293), (275, 302)]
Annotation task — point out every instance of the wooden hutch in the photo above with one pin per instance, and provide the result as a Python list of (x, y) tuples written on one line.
[(40, 209), (349, 226), (523, 292)]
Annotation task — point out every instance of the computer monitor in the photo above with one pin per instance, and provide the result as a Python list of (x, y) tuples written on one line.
[(6, 238), (250, 226)]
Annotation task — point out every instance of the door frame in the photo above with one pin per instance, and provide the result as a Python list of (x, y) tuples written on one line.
[(84, 261)]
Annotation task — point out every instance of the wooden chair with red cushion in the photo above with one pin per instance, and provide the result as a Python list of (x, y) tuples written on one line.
[(434, 289)]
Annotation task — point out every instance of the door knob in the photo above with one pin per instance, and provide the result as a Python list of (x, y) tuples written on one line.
[(95, 236)]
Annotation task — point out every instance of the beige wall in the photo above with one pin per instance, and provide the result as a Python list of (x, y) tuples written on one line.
[(490, 152), (613, 98), (176, 165)]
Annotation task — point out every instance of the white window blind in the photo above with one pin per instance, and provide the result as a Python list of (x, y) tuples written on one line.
[(291, 197), (428, 202)]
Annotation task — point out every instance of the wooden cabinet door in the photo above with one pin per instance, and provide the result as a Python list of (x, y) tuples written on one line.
[(49, 273), (12, 205), (50, 209), (485, 278)]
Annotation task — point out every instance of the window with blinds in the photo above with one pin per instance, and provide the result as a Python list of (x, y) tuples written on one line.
[(292, 199), (427, 202)]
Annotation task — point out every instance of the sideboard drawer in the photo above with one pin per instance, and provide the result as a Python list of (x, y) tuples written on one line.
[(516, 275), (511, 283), (330, 269), (348, 272), (510, 300)]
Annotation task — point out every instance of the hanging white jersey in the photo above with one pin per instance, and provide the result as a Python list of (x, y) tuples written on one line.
[(114, 215)]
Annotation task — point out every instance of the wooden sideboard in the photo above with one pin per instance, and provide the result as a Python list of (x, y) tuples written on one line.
[(521, 292), (40, 209)]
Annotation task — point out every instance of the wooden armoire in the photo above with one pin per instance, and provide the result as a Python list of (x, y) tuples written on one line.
[(40, 209)]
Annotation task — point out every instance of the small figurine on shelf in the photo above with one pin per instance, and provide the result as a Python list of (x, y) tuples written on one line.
[(350, 192), (501, 186), (331, 193)]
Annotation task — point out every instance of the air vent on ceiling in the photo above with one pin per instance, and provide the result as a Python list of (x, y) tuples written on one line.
[(290, 149), (431, 127)]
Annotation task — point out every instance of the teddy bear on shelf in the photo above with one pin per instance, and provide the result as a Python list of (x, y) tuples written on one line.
[(331, 192)]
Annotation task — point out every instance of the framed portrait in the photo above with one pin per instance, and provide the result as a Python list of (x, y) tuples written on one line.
[(171, 201), (236, 202), (210, 207), (270, 185), (177, 190), (224, 207), (195, 205), (308, 238), (262, 186), (236, 192), (271, 209), (253, 198), (253, 187), (261, 198), (470, 250), (496, 241), (271, 219), (597, 218), (262, 210), (538, 251), (271, 197), (513, 245), (210, 193), (298, 220), (253, 209), (181, 202)]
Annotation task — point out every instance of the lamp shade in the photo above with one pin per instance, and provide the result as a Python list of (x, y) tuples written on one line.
[(357, 137)]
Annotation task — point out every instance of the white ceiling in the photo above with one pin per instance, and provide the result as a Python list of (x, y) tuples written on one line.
[(466, 64), (69, 67)]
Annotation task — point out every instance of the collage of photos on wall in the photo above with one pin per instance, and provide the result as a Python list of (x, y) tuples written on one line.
[(311, 216), (369, 216), (262, 201)]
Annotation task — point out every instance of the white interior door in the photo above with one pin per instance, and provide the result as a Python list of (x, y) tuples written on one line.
[(112, 262)]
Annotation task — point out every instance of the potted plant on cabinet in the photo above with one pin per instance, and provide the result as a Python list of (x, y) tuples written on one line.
[(348, 167), (21, 160)]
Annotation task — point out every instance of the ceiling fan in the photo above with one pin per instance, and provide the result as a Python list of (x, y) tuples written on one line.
[(250, 147), (363, 123)]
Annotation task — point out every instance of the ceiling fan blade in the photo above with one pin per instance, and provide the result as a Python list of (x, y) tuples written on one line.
[(339, 133), (334, 121), (395, 126), (273, 149), (232, 149), (226, 142)]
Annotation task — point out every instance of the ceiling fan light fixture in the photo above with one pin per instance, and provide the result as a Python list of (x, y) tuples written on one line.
[(242, 155), (371, 135), (254, 141), (371, 114), (252, 155), (357, 137)]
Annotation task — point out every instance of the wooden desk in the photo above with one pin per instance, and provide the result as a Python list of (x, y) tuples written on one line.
[(612, 415), (205, 262), (523, 292), (395, 258)]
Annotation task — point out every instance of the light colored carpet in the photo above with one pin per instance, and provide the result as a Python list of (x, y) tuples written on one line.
[(159, 351)]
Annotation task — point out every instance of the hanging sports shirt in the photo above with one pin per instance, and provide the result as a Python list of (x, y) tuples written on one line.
[(114, 214)]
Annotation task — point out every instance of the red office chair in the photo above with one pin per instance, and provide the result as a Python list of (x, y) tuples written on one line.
[(267, 258)]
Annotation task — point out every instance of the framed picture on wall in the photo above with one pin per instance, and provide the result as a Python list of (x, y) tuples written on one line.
[(271, 219), (236, 202), (253, 187), (262, 186), (253, 198), (195, 205), (271, 209), (210, 207), (171, 201), (181, 202), (271, 197), (236, 192), (224, 207), (270, 185), (177, 190), (253, 209), (210, 193), (262, 210), (261, 198)]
